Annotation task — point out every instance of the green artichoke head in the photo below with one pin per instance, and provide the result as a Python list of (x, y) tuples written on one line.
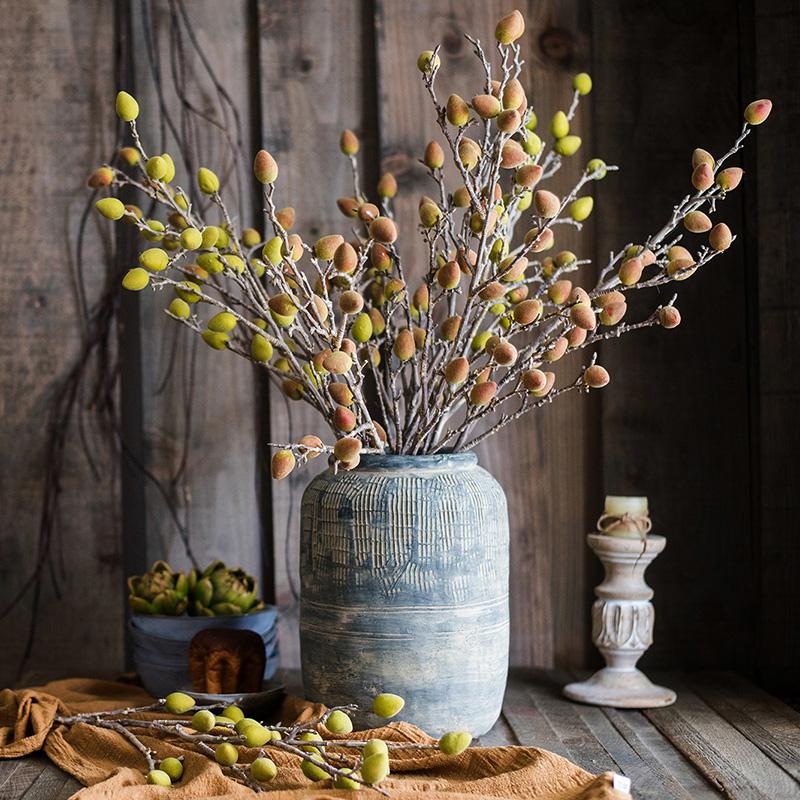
[(221, 590), (160, 591)]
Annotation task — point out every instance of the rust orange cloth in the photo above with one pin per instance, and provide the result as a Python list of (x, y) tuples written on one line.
[(111, 768)]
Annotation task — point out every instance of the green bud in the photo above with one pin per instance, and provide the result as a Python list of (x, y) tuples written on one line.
[(567, 145), (210, 236), (559, 125), (203, 721), (226, 754), (387, 705), (188, 291), (599, 166), (173, 767), (178, 703), (127, 107), (580, 209), (272, 251), (374, 746), (222, 322), (136, 279), (261, 348), (375, 768), (455, 742), (191, 239), (179, 308), (427, 62), (256, 735), (338, 721), (207, 181), (582, 83), (110, 208), (263, 769), (158, 778), (215, 340), (311, 770), (361, 330), (342, 782), (479, 341), (265, 168), (156, 168), (154, 258)]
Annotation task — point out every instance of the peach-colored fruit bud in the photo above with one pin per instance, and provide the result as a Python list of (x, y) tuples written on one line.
[(347, 449), (510, 28), (559, 291), (100, 178), (449, 328), (596, 377), (265, 168), (527, 312), (546, 203), (534, 380), (514, 95), (728, 179), (283, 305), (421, 298), (757, 111), (508, 121), (492, 291), (286, 218), (678, 251), (696, 222), (613, 312), (387, 185), (348, 142), (669, 317), (434, 155), (631, 271), (557, 350), (325, 248), (456, 371), (282, 464), (351, 302), (382, 229), (505, 354), (575, 337), (348, 206), (512, 155), (341, 394), (700, 156), (702, 177), (529, 175), (482, 393), (448, 276), (486, 106), (311, 446), (344, 419), (681, 268), (469, 152), (720, 237), (338, 363), (582, 316), (404, 345), (579, 295), (609, 297), (513, 269), (368, 212), (461, 197), (345, 258), (457, 111)]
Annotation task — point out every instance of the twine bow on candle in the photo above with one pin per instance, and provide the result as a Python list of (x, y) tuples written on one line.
[(608, 523)]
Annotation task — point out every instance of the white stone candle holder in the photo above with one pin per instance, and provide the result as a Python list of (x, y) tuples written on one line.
[(622, 626)]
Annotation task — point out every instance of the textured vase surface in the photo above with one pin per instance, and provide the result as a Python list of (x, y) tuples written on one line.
[(404, 589)]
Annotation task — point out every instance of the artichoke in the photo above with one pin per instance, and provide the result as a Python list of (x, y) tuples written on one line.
[(160, 591), (220, 590)]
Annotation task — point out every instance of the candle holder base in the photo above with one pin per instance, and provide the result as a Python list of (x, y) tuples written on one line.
[(627, 688)]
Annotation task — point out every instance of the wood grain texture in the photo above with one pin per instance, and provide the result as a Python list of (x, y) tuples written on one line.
[(315, 67), (775, 238), (675, 418), (56, 91), (202, 446)]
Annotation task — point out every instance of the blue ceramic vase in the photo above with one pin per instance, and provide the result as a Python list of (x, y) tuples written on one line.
[(404, 589)]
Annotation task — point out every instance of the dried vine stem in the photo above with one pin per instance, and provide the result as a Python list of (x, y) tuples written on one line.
[(222, 739), (449, 359)]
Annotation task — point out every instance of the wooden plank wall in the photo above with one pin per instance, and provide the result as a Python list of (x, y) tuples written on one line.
[(698, 418)]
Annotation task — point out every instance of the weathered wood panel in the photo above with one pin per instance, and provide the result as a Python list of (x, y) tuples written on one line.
[(775, 239), (57, 86), (675, 417), (314, 59), (199, 405)]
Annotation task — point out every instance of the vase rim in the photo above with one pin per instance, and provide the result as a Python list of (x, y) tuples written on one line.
[(395, 461)]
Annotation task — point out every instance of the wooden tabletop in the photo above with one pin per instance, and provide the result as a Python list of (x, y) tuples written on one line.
[(723, 738)]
